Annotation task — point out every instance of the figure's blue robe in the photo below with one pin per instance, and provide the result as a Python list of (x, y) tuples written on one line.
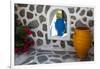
[(60, 26)]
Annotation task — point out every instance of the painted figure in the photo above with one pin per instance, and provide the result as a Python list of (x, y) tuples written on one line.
[(59, 24)]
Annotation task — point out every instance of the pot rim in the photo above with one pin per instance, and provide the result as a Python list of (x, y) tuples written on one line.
[(82, 28)]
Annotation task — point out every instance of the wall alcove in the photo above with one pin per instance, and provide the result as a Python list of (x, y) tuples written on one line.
[(51, 18)]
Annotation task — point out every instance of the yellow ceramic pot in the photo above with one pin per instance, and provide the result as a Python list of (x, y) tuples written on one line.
[(82, 41)]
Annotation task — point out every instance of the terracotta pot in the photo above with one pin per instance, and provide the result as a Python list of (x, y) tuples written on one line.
[(82, 41)]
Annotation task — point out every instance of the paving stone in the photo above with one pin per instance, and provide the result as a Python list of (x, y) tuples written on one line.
[(82, 12), (44, 27), (39, 33), (51, 55), (54, 41), (22, 12), (60, 52), (70, 43), (46, 53), (56, 46), (56, 60), (71, 10), (39, 8), (47, 8), (79, 23), (62, 43), (77, 10), (73, 17), (42, 18), (39, 42), (24, 21), (91, 23), (42, 58), (85, 19), (89, 13), (31, 8), (33, 24), (39, 50), (29, 15), (66, 56), (34, 34)]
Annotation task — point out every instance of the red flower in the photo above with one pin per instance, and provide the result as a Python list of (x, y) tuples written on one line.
[(26, 29)]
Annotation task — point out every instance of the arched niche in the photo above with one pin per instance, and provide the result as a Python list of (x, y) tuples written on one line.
[(50, 17)]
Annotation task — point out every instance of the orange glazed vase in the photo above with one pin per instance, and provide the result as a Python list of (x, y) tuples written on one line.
[(82, 41)]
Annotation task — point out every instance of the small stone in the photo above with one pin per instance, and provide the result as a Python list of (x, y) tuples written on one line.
[(91, 23), (82, 12), (29, 15), (22, 12), (22, 5), (73, 17), (42, 58), (62, 43), (79, 23), (54, 56), (39, 8), (39, 33), (89, 13), (44, 27), (70, 43), (54, 41), (39, 42), (71, 52), (33, 24), (71, 10), (24, 21), (56, 60), (85, 19), (46, 9), (77, 10), (47, 40), (72, 22), (39, 50), (66, 56), (35, 14), (42, 18), (56, 46), (31, 8), (60, 52), (33, 33)]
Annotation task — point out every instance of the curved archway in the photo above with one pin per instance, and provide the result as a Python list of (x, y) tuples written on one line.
[(50, 17)]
